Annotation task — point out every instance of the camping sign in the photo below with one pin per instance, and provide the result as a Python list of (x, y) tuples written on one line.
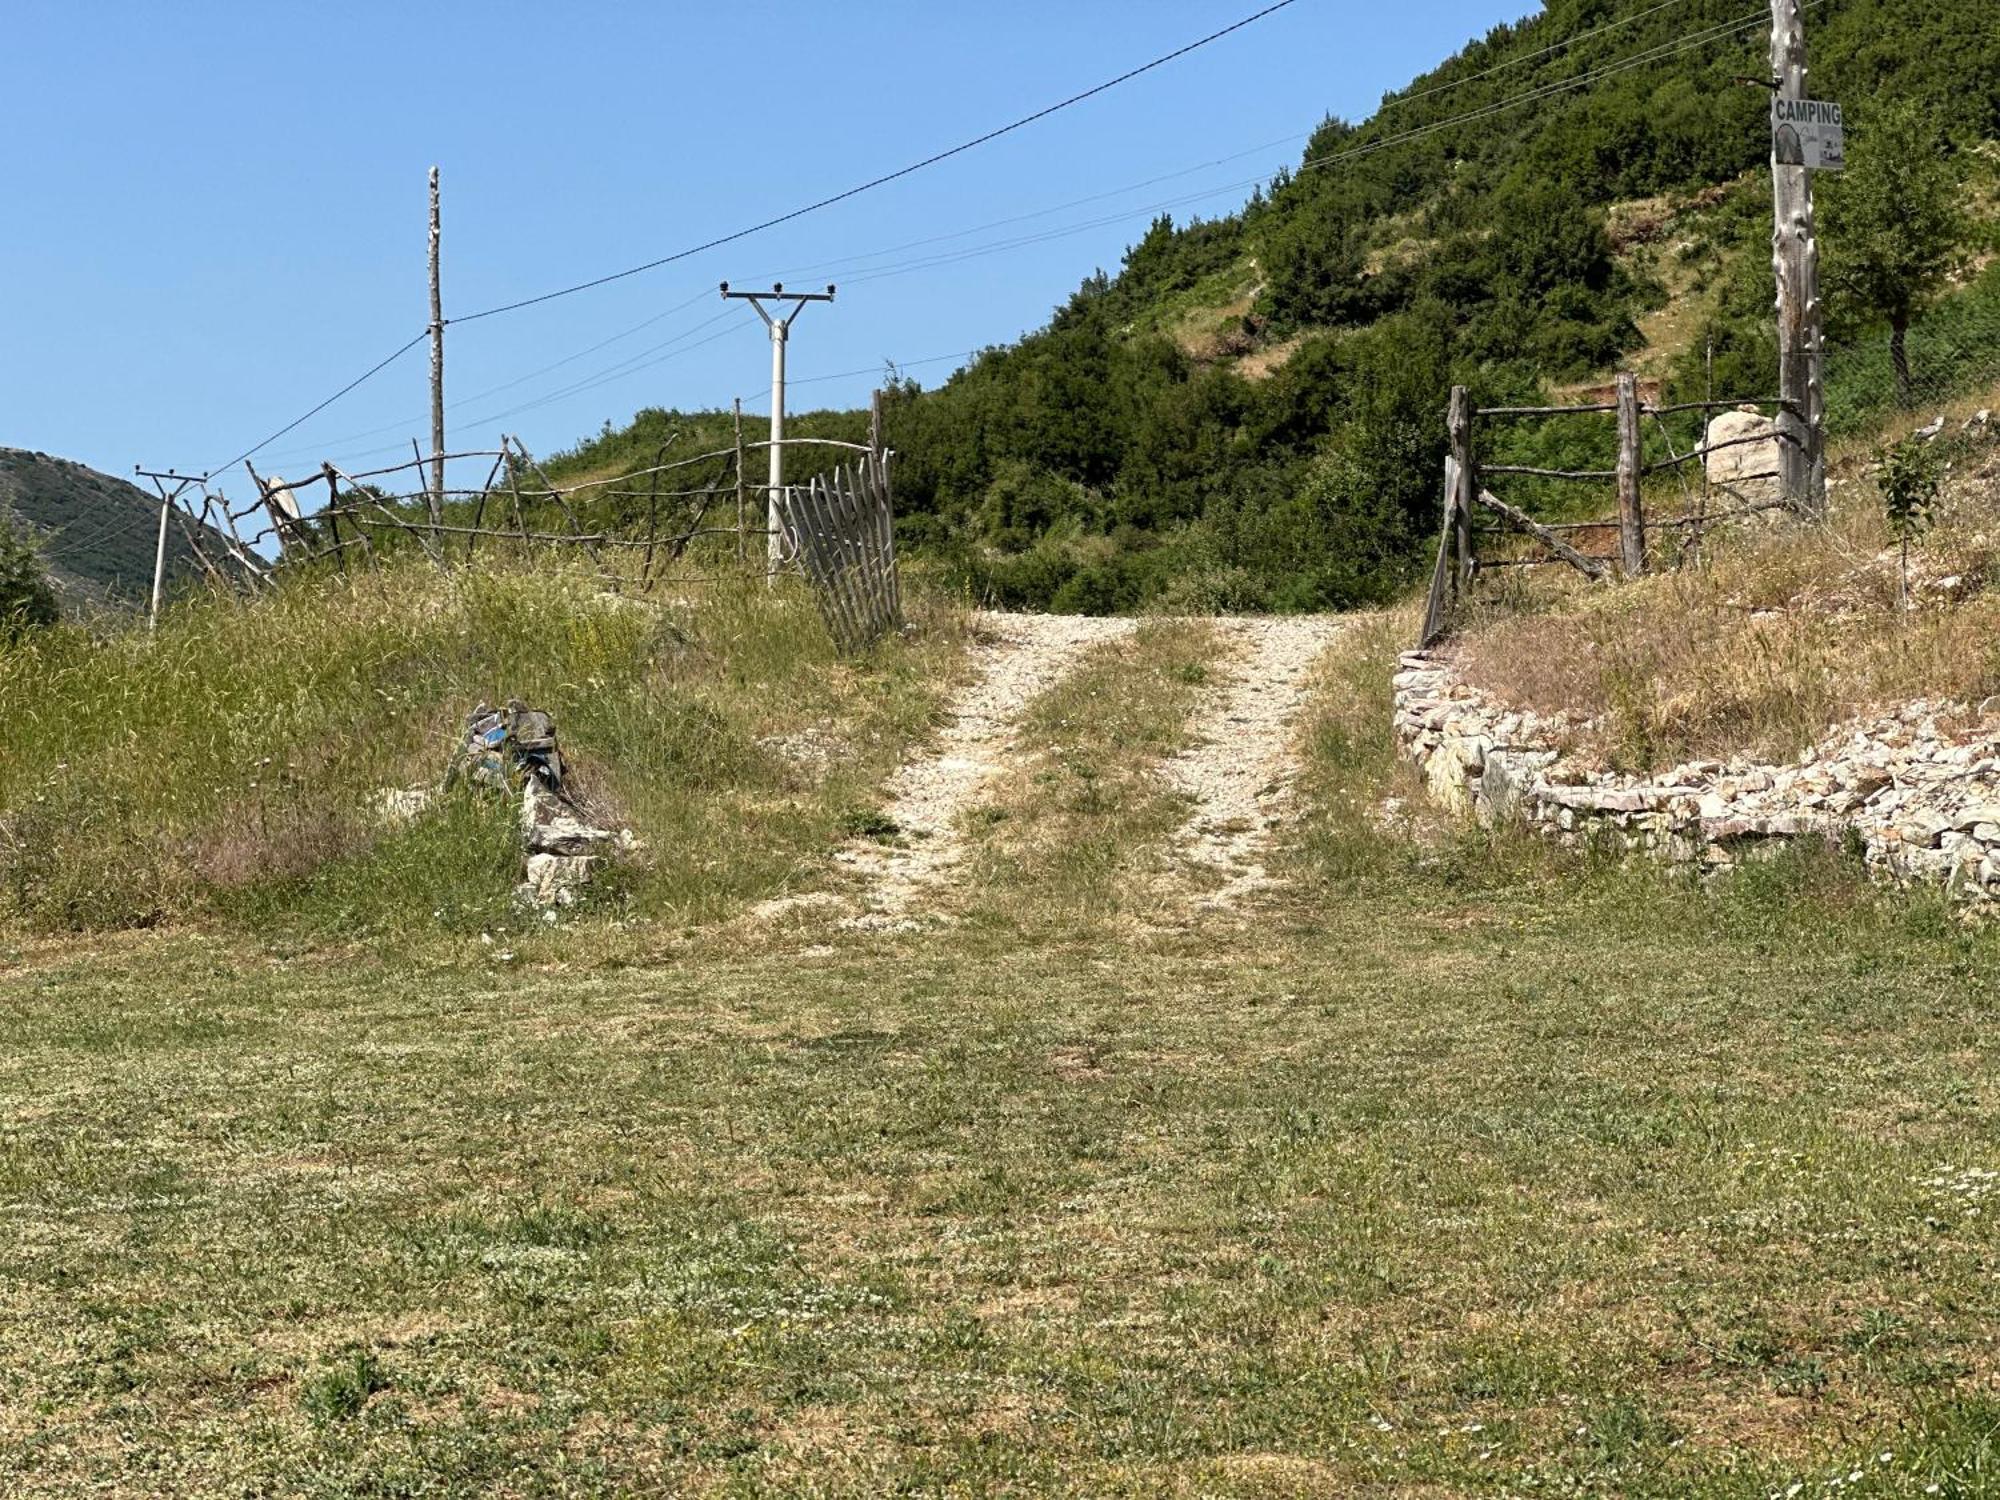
[(1808, 133)]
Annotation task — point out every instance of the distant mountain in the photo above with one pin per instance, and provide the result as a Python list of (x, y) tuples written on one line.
[(97, 533)]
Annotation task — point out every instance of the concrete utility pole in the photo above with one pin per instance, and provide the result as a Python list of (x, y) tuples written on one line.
[(781, 330), (437, 368), (167, 500), (1795, 260)]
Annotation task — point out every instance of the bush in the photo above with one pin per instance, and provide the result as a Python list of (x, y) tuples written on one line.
[(27, 599)]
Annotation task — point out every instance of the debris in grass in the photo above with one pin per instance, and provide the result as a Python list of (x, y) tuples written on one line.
[(513, 750)]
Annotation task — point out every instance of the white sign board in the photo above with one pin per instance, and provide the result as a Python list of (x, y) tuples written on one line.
[(1808, 133)]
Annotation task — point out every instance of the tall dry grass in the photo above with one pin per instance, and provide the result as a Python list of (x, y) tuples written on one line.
[(1777, 635), (227, 765)]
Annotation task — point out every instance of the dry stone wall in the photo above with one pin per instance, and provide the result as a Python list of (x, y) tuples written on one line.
[(1922, 798)]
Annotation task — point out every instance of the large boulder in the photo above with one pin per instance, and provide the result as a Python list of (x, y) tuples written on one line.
[(1747, 466)]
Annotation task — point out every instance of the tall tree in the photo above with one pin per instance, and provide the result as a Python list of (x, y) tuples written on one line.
[(1895, 224)]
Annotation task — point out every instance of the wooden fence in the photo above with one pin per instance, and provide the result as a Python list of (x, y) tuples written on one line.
[(633, 526), (1459, 562), (840, 528)]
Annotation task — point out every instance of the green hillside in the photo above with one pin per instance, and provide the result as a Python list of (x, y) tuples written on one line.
[(1248, 414), (96, 533)]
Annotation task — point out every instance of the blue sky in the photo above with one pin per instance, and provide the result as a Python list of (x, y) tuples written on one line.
[(216, 213)]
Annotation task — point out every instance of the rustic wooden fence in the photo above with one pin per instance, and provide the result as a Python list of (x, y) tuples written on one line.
[(636, 527), (840, 528), (1459, 559)]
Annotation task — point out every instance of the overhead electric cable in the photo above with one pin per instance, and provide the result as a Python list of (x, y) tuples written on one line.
[(1515, 62), (887, 177), (1689, 43), (785, 218), (462, 402), (1680, 45), (366, 375)]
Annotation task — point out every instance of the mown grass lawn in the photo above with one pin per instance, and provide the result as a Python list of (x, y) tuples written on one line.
[(1461, 1170)]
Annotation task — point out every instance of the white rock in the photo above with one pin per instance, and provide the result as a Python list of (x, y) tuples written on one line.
[(398, 805), (552, 880)]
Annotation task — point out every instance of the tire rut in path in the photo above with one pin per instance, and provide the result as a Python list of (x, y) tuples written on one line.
[(1018, 658), (1240, 768)]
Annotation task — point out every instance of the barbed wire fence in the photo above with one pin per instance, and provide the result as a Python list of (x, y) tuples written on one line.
[(639, 529), (1681, 469)]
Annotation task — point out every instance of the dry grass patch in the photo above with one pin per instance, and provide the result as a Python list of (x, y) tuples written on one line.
[(1778, 634), (227, 768), (1078, 830)]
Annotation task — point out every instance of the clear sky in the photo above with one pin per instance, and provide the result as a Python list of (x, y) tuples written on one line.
[(215, 213)]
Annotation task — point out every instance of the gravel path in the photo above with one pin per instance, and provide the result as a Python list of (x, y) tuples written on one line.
[(1239, 769), (1017, 657)]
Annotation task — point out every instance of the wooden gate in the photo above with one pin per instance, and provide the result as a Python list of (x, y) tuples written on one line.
[(839, 528)]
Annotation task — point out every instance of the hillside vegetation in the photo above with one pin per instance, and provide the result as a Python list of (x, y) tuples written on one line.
[(1248, 414)]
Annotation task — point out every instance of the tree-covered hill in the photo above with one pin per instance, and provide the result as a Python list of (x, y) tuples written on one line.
[(1249, 413), (96, 534)]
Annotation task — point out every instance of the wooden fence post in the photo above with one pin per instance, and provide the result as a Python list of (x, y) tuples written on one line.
[(1436, 611), (1631, 516), (1460, 421)]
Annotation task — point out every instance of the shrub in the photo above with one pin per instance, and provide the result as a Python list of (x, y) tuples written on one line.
[(27, 599)]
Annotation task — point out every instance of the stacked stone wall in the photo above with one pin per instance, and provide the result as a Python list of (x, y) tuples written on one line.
[(1921, 796)]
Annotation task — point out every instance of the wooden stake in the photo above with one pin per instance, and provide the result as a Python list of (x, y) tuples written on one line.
[(1436, 613), (437, 364), (1631, 517), (333, 515), (1460, 518)]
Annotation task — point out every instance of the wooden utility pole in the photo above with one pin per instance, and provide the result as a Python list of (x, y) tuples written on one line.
[(1631, 517), (437, 368), (1795, 260)]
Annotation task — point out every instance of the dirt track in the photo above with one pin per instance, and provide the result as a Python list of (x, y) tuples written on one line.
[(1236, 774)]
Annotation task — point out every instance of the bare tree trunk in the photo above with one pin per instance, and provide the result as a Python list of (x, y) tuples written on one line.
[(1899, 356)]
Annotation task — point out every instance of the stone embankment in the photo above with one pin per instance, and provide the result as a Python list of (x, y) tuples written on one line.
[(1921, 796)]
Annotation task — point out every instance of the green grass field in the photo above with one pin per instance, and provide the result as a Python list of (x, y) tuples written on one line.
[(1453, 1167)]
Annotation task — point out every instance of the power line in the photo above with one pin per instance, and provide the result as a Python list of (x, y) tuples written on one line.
[(366, 375), (785, 218), (477, 396), (1692, 42), (887, 177), (1515, 62), (792, 272), (116, 526), (1678, 46)]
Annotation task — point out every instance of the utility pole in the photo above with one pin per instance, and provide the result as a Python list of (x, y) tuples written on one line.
[(167, 501), (781, 330), (437, 368), (1795, 261)]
